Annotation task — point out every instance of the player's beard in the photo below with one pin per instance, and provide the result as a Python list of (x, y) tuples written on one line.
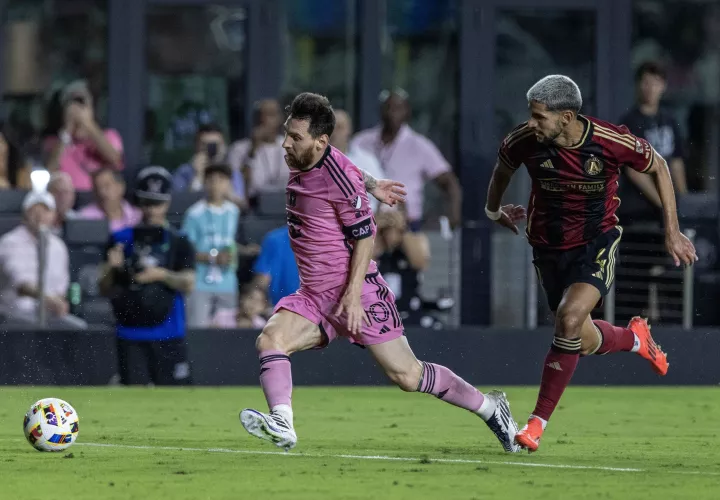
[(550, 138), (302, 162)]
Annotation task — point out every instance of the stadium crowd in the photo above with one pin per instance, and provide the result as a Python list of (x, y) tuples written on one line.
[(228, 199)]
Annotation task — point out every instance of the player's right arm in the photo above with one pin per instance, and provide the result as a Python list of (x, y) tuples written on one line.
[(384, 190), (508, 161)]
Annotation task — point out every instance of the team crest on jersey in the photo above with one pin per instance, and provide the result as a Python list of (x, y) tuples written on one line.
[(593, 165), (638, 147)]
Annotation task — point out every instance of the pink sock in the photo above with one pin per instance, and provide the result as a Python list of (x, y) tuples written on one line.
[(276, 378), (615, 338), (444, 384)]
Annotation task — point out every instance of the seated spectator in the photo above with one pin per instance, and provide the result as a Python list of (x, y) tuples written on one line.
[(82, 147), (62, 189), (211, 225), (275, 268), (210, 148), (261, 157), (401, 256), (109, 189), (14, 170), (364, 160), (20, 272), (253, 303)]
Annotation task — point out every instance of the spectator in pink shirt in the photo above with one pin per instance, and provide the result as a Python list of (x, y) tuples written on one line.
[(82, 146), (110, 204), (409, 157)]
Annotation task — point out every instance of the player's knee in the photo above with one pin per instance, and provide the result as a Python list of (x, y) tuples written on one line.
[(568, 323), (269, 340), (408, 379)]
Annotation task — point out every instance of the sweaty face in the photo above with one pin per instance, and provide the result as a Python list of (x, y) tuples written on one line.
[(651, 88), (301, 149), (547, 125)]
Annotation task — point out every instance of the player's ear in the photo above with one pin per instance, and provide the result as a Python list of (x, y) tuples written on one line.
[(567, 117), (322, 142)]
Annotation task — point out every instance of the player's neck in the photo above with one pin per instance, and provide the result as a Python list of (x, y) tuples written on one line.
[(389, 133), (216, 202), (572, 135)]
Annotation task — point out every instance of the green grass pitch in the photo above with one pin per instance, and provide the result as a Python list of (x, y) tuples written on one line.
[(360, 443)]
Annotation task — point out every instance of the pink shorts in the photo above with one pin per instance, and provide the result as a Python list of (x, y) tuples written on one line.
[(377, 300)]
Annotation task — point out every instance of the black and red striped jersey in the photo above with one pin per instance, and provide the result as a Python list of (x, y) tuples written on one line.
[(574, 189)]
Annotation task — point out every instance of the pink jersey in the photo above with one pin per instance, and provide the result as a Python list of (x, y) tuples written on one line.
[(327, 211)]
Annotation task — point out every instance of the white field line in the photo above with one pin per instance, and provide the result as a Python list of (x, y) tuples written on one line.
[(396, 459)]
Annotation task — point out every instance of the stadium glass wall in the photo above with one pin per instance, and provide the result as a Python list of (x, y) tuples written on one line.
[(466, 63)]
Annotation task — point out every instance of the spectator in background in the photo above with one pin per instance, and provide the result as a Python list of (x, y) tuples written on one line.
[(210, 148), (362, 159), (211, 225), (20, 271), (253, 304), (410, 158), (148, 271), (640, 199), (261, 157), (275, 270), (82, 147), (14, 169), (401, 256), (62, 189), (110, 202)]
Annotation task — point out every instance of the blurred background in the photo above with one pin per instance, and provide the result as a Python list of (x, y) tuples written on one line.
[(157, 71)]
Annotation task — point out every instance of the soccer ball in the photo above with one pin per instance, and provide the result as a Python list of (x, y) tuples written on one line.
[(51, 425)]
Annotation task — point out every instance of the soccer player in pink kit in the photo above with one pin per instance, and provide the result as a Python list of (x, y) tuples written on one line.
[(341, 292)]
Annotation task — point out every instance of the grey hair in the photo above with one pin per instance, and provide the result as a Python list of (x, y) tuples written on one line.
[(557, 92)]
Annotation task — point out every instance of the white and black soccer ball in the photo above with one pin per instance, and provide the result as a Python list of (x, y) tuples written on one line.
[(51, 424)]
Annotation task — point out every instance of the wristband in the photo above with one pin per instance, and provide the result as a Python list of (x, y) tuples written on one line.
[(493, 215)]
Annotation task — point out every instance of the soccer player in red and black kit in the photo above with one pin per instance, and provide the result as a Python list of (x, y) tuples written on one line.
[(574, 163)]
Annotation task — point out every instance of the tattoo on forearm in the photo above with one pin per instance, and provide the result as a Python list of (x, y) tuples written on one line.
[(369, 180)]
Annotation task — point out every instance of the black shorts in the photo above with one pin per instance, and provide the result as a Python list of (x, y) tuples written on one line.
[(592, 263), (162, 362)]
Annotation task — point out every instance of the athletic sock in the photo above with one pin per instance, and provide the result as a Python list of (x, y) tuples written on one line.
[(560, 364), (444, 384), (616, 338), (276, 378)]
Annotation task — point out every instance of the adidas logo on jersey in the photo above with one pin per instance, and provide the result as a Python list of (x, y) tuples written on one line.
[(547, 164)]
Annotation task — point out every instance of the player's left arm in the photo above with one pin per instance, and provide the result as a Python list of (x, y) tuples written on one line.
[(678, 246), (351, 204), (384, 190)]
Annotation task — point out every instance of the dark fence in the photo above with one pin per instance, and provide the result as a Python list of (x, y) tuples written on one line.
[(483, 356)]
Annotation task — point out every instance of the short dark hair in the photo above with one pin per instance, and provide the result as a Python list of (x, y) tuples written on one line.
[(317, 110), (218, 168), (207, 128), (650, 68)]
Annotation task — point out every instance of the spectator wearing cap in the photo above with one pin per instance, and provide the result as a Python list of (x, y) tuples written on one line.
[(110, 202), (62, 189), (148, 270), (82, 147), (409, 157), (20, 267), (261, 158), (361, 158), (211, 225)]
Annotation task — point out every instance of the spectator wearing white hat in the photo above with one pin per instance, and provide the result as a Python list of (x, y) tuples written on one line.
[(20, 267)]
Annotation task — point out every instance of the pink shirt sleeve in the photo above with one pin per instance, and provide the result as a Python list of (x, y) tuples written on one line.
[(434, 163), (91, 212), (114, 139), (349, 199)]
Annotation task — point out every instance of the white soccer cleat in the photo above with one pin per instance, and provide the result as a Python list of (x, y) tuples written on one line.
[(272, 427), (502, 423)]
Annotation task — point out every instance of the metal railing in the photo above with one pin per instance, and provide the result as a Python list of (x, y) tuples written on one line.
[(664, 292)]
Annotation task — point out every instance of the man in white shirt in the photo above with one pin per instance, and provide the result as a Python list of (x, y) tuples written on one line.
[(364, 160), (260, 158), (20, 267)]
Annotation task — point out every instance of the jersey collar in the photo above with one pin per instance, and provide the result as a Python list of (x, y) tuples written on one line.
[(586, 134)]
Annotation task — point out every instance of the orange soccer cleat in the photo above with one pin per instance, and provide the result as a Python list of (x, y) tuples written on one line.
[(648, 348), (529, 436)]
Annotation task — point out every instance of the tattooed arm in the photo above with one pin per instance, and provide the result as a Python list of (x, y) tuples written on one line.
[(384, 190)]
